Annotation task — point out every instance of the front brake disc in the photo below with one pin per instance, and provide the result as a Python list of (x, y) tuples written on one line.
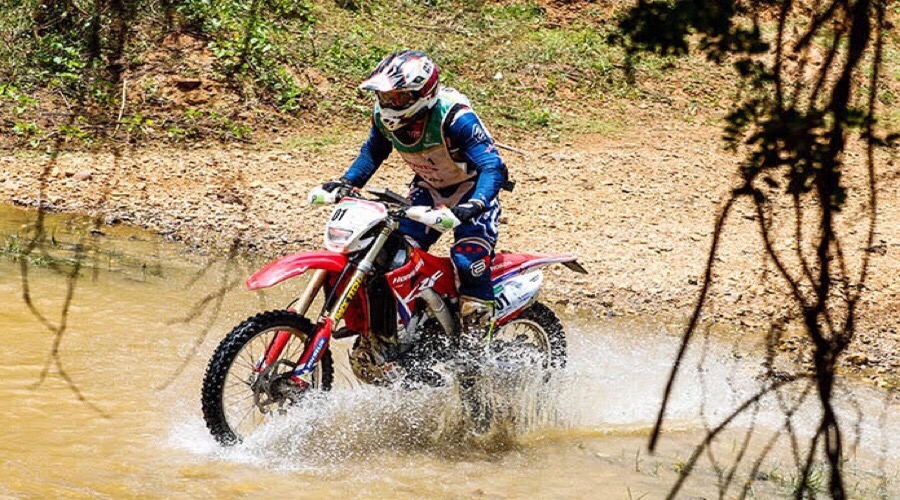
[(274, 388)]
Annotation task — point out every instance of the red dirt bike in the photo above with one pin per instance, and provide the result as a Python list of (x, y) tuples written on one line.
[(370, 277)]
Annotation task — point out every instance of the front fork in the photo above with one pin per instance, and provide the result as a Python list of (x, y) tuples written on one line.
[(300, 307), (317, 345)]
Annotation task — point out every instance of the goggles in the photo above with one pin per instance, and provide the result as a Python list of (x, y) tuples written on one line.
[(397, 99)]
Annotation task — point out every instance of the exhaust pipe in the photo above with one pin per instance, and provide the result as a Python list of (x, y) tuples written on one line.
[(438, 309)]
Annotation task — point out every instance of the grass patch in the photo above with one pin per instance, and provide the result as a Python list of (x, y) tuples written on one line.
[(312, 143), (514, 13)]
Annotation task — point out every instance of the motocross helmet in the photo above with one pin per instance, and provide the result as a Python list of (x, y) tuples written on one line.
[(406, 84)]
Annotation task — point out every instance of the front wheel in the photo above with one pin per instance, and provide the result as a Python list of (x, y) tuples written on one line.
[(238, 395)]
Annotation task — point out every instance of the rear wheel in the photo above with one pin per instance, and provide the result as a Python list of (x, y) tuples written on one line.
[(525, 348), (534, 337), (237, 396)]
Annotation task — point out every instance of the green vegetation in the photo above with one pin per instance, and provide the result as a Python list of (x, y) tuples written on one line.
[(15, 248), (252, 39), (279, 60), (255, 64), (77, 250)]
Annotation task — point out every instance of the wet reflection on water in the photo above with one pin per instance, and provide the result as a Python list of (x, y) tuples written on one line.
[(124, 341)]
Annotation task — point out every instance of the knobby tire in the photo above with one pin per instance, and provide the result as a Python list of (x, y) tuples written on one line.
[(224, 357)]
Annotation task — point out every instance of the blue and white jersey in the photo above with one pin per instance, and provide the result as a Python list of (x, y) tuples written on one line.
[(453, 155)]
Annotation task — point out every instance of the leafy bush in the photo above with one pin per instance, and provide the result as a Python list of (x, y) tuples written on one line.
[(247, 39)]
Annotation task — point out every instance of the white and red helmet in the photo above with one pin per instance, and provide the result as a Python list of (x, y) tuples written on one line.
[(406, 84)]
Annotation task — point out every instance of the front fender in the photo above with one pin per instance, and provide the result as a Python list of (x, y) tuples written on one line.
[(295, 264)]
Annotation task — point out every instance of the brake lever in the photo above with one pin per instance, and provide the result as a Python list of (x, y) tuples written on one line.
[(398, 212)]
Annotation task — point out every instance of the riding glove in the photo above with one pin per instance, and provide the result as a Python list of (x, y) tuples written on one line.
[(330, 192), (468, 210), (340, 187)]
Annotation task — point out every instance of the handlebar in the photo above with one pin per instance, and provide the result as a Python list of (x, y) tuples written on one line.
[(388, 196), (442, 219)]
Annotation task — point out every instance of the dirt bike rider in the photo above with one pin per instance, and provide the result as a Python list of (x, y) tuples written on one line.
[(458, 173)]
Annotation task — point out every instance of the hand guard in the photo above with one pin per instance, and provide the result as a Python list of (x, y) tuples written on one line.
[(330, 192), (439, 219)]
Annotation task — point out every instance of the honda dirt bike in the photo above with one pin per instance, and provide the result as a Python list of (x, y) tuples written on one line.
[(400, 303)]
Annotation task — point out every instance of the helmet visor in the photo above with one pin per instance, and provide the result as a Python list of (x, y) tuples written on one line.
[(396, 99)]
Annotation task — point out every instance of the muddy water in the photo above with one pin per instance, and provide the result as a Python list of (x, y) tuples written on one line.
[(135, 353)]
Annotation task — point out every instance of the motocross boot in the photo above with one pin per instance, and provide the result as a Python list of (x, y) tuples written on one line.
[(477, 321), (373, 360)]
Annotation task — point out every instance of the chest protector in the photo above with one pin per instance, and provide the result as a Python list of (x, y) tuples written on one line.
[(430, 156)]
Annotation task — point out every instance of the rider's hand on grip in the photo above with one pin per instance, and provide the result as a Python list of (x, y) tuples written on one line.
[(469, 210), (321, 196), (330, 192), (440, 219)]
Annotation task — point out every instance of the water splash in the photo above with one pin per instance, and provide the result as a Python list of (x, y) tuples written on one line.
[(612, 384)]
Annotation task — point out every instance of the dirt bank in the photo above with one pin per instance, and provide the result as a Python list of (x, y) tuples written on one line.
[(637, 207)]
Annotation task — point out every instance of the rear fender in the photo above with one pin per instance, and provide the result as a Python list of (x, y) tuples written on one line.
[(507, 265), (517, 279), (294, 265)]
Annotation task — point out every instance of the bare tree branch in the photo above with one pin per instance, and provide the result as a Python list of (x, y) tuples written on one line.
[(692, 324)]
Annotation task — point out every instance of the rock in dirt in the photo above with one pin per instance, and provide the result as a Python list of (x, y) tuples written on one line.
[(187, 84), (857, 358)]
